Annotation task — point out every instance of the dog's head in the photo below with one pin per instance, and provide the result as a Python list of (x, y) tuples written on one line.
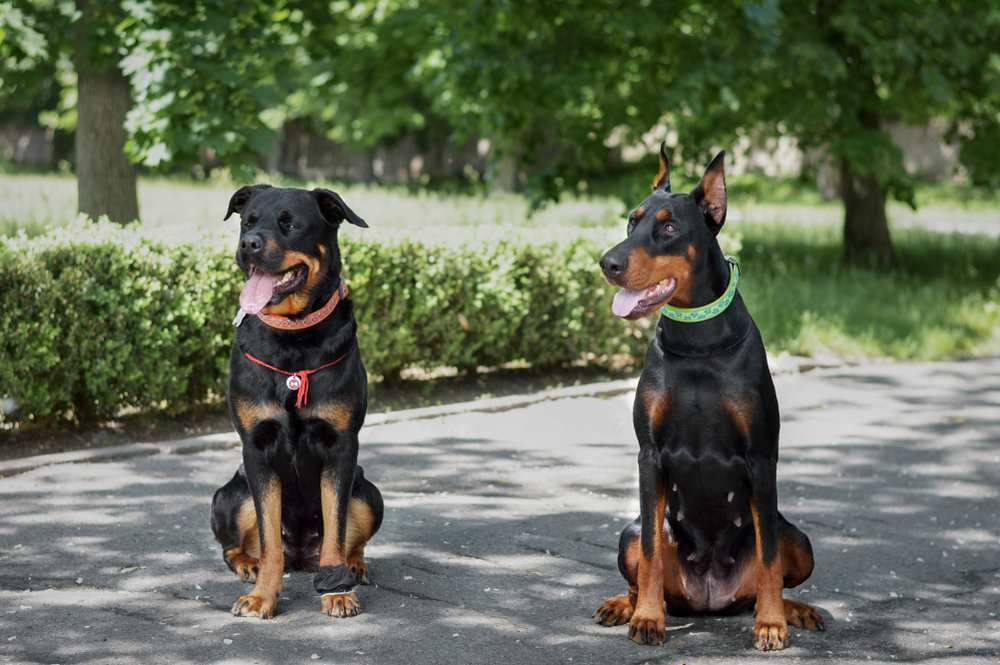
[(288, 246), (669, 235)]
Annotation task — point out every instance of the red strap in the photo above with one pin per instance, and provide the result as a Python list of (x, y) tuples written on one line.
[(298, 381)]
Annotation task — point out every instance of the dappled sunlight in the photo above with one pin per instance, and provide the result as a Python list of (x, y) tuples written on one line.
[(501, 530)]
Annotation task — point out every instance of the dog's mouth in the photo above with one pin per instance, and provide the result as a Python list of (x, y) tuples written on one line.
[(261, 287), (632, 305)]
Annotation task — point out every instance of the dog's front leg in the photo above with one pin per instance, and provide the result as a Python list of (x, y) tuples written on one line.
[(335, 579), (648, 624), (770, 628), (266, 489)]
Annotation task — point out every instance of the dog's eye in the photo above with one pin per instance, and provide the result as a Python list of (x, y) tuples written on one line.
[(631, 223), (250, 220), (669, 229), (285, 220)]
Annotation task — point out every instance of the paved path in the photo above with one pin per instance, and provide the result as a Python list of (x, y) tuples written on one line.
[(500, 537)]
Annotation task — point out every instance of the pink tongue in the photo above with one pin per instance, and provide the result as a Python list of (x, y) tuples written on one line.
[(257, 291), (626, 300)]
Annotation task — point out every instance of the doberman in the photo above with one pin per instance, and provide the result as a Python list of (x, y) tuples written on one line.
[(709, 537), (298, 393)]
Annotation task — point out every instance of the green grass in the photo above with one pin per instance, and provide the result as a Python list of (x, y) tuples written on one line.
[(942, 302)]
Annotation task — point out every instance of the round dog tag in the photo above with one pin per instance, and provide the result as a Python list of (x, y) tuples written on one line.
[(293, 382)]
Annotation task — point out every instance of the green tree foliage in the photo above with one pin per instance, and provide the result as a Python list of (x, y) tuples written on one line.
[(832, 73), (33, 78), (564, 78), (202, 74)]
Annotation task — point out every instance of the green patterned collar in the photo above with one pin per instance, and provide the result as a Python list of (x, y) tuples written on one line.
[(696, 314)]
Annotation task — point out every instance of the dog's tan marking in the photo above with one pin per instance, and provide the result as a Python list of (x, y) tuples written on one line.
[(713, 183), (619, 609), (245, 557), (295, 303), (663, 215), (250, 413), (262, 601), (796, 562), (646, 271), (360, 528), (658, 406), (336, 413), (332, 550), (648, 622), (770, 629), (740, 413), (246, 523), (662, 174)]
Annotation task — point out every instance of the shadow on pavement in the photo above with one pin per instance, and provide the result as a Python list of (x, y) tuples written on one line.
[(500, 540)]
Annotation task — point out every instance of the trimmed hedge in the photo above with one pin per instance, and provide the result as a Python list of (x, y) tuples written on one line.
[(97, 318)]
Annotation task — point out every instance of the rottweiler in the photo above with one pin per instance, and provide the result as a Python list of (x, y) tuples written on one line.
[(709, 537), (298, 393)]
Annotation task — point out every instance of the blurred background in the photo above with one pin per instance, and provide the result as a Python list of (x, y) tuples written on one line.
[(862, 143)]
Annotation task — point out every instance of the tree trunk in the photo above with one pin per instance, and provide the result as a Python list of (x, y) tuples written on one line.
[(505, 176), (866, 231), (293, 149), (106, 179)]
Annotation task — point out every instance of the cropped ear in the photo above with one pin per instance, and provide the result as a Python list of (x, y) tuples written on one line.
[(334, 209), (710, 194), (663, 180), (242, 197)]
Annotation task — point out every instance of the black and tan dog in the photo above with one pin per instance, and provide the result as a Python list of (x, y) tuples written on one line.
[(709, 538), (298, 393)]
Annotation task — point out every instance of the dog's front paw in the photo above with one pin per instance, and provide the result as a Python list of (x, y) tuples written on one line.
[(770, 635), (614, 611), (647, 630), (255, 606), (341, 605), (801, 615)]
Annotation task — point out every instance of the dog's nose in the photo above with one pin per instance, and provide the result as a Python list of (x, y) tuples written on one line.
[(613, 264), (251, 244)]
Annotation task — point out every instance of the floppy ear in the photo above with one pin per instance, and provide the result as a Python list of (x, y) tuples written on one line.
[(242, 197), (334, 209), (663, 180), (710, 194)]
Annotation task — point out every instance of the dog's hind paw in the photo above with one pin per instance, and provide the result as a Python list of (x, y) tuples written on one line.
[(614, 611), (360, 570), (243, 564), (801, 615)]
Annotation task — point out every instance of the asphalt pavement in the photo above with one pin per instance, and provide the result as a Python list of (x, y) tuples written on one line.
[(500, 536)]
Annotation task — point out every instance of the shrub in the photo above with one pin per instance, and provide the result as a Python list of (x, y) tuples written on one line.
[(98, 318)]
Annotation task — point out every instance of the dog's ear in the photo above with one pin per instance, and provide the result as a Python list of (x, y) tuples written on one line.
[(710, 194), (242, 197), (663, 180), (334, 209)]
